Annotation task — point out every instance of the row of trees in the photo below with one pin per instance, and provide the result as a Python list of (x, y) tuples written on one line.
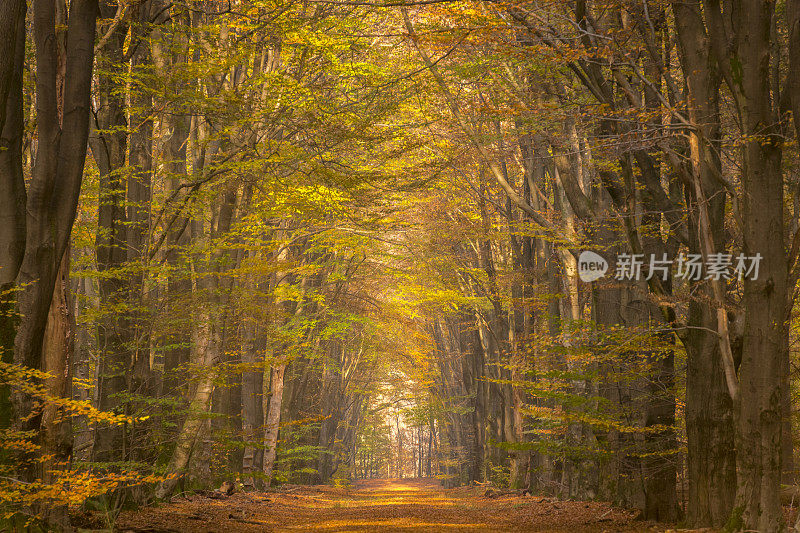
[(646, 128), (329, 240), (201, 290)]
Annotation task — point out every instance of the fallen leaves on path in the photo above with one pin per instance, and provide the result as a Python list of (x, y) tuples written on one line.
[(380, 505)]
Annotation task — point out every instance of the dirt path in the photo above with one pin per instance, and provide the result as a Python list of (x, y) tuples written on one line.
[(382, 506)]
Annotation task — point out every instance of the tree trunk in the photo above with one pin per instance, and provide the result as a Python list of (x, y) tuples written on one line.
[(206, 344), (272, 425), (57, 355), (141, 379), (209, 301), (109, 143), (763, 349), (12, 191), (169, 50), (252, 413), (709, 416), (10, 14), (55, 185)]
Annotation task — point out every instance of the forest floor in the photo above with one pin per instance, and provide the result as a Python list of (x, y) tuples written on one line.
[(382, 506)]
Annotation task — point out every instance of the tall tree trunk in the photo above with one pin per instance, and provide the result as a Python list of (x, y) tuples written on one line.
[(10, 14), (431, 430), (209, 301), (206, 344), (170, 45), (743, 49), (57, 355), (12, 189), (252, 413), (58, 171), (763, 349), (82, 367), (138, 201), (399, 446), (109, 143), (709, 410), (273, 421)]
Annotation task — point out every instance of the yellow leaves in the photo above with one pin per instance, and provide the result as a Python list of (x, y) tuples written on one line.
[(304, 201), (30, 382), (68, 487), (17, 441), (83, 383), (606, 423)]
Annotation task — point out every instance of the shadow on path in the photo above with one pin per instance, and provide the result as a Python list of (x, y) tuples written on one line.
[(388, 505)]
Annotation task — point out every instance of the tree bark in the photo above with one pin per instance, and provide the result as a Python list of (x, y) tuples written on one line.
[(709, 410), (206, 344), (252, 413), (12, 197), (10, 14), (272, 426), (170, 50), (209, 301), (57, 355), (58, 171), (743, 49), (109, 143), (763, 350), (138, 199)]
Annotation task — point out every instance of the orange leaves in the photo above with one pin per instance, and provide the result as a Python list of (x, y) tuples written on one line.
[(67, 488), (60, 485), (29, 381), (382, 505)]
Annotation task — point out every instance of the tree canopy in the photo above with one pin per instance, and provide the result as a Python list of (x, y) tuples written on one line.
[(551, 246)]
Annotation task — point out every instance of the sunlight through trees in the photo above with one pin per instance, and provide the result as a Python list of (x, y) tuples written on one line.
[(546, 248)]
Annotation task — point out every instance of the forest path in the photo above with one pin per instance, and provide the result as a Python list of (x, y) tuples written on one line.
[(381, 506)]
